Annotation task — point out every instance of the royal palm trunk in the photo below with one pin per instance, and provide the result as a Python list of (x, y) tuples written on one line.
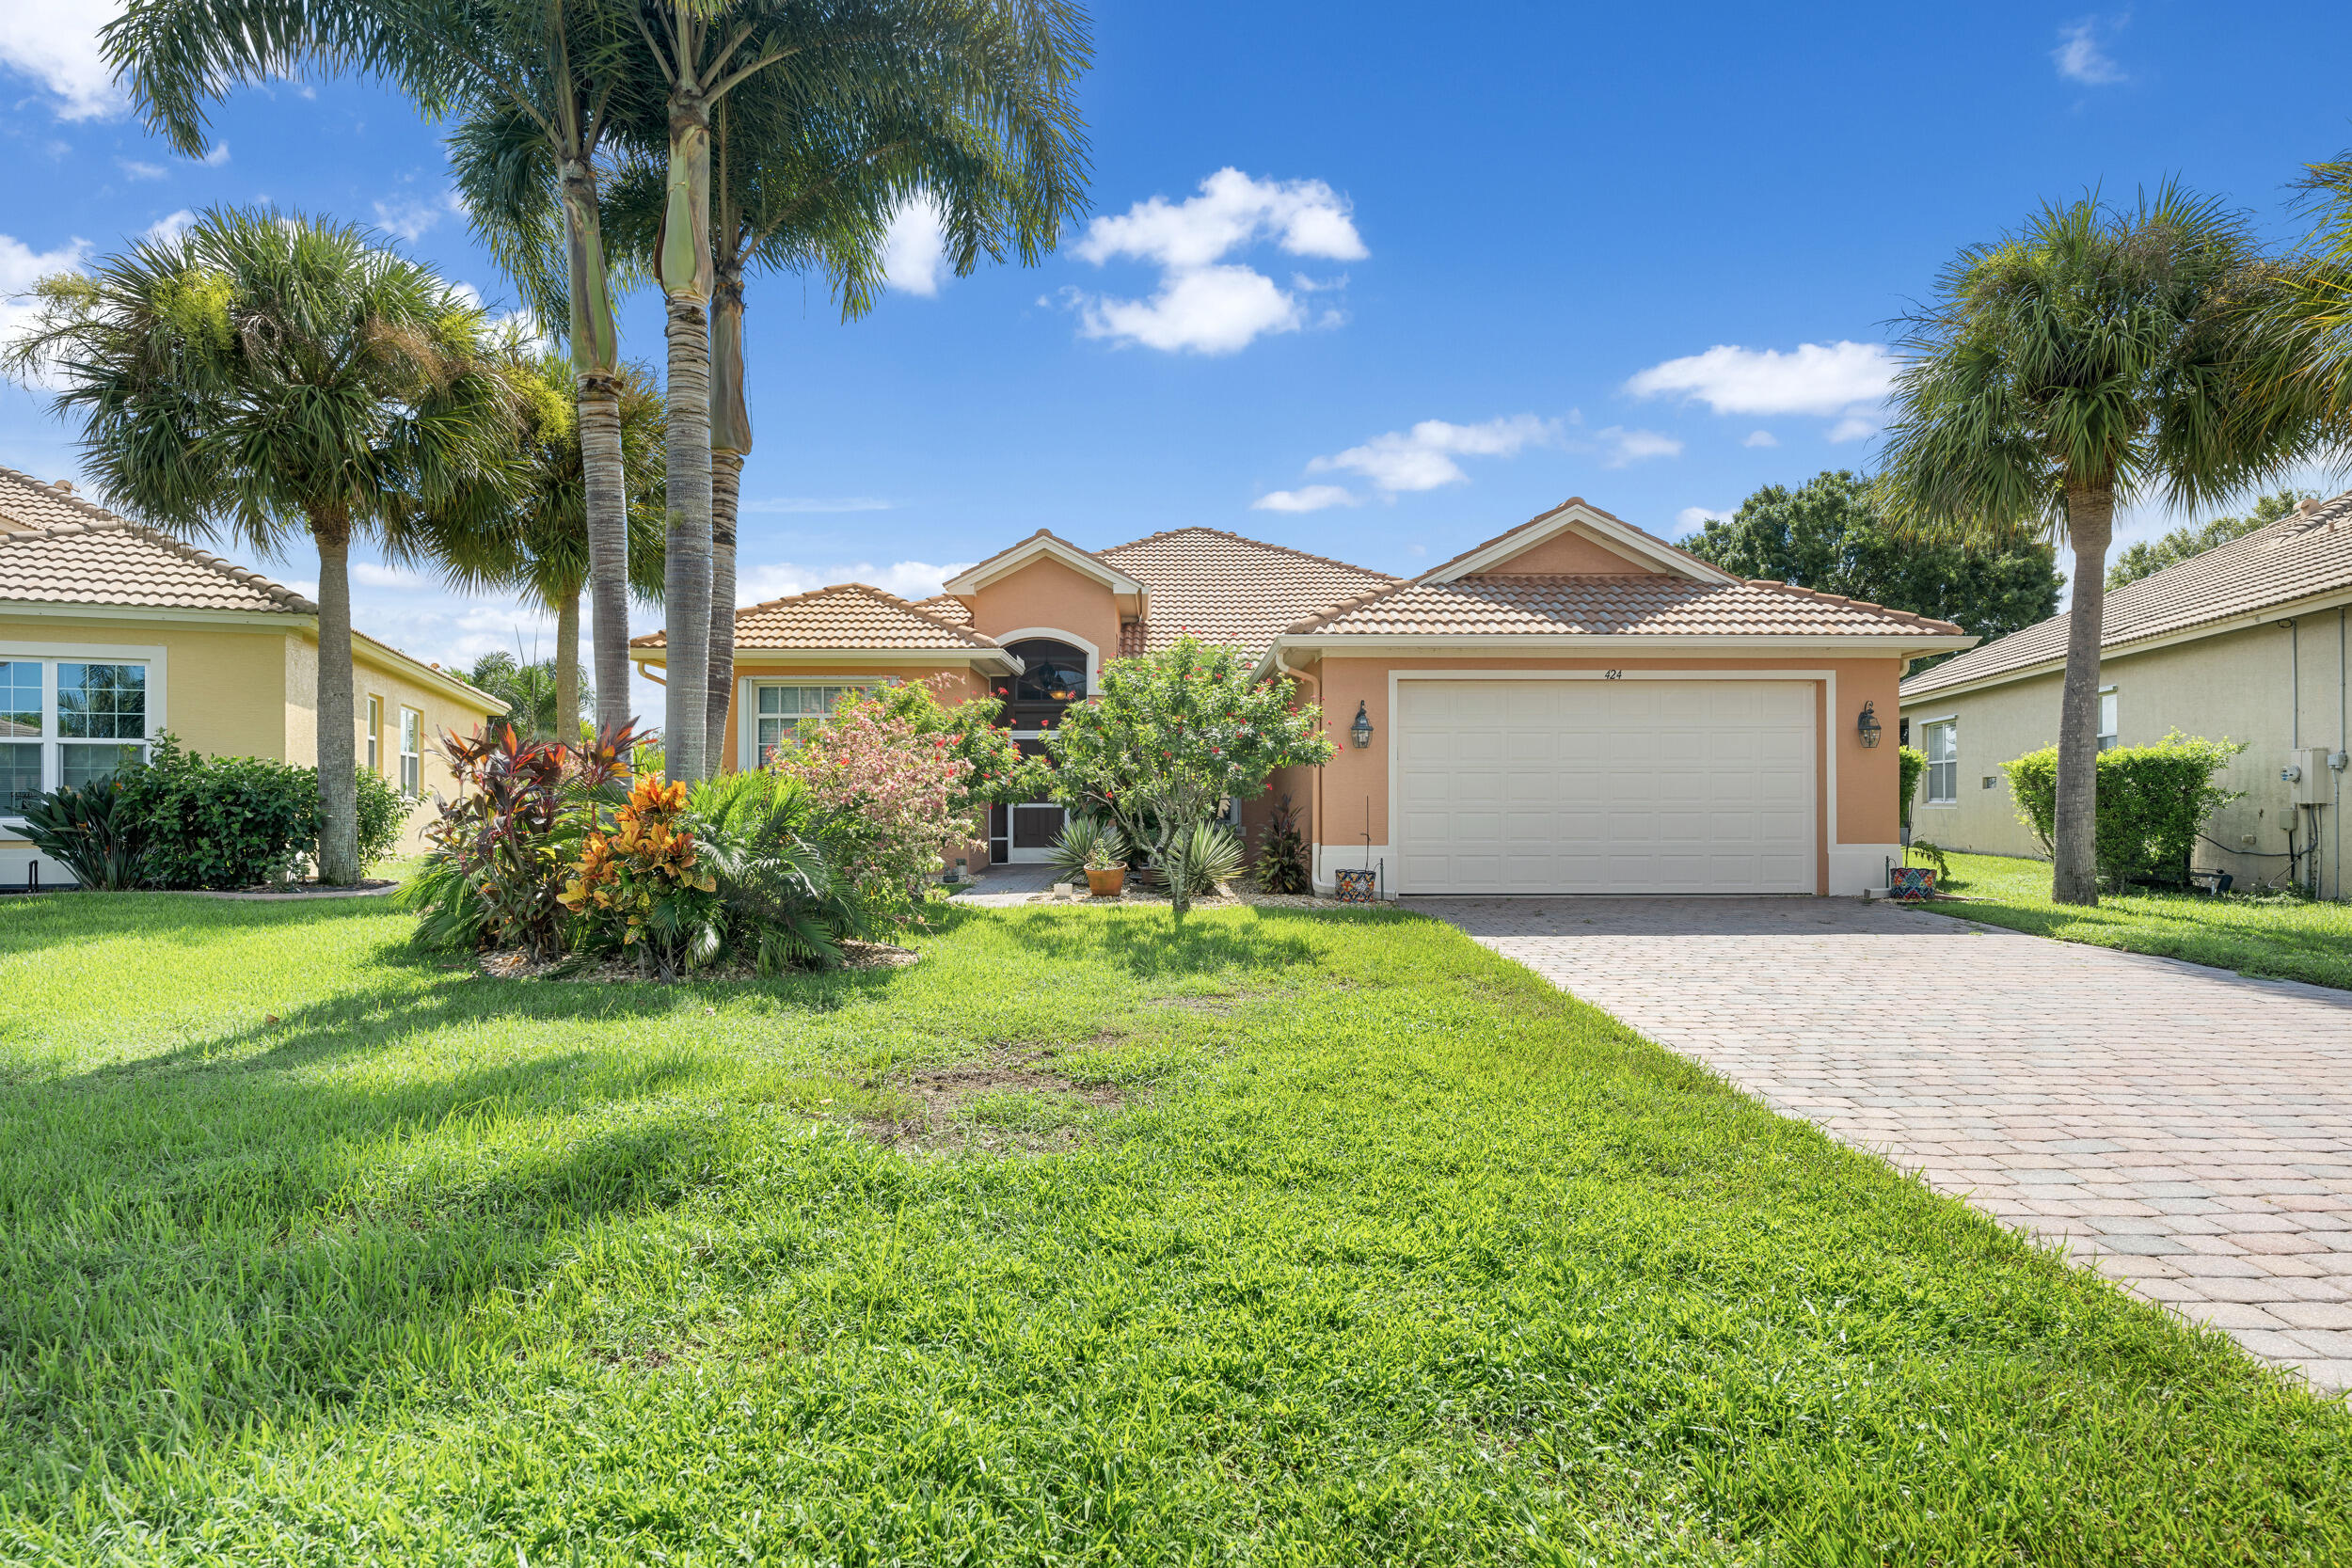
[(338, 786), (2075, 851), (596, 361), (567, 667), (684, 266), (730, 443)]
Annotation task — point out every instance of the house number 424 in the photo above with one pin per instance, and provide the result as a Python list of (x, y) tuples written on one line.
[(1612, 674)]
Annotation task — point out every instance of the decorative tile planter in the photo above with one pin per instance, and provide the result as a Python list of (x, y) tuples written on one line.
[(1911, 882), (1358, 887)]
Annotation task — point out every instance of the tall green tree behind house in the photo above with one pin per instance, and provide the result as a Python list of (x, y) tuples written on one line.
[(1008, 65), (541, 549), (534, 703), (1828, 535), (2149, 556), (534, 86), (268, 378), (798, 189), (2099, 355)]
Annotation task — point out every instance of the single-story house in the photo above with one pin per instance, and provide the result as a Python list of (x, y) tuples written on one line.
[(2244, 642), (1573, 706), (112, 632)]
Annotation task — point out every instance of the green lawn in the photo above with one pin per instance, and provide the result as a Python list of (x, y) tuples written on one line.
[(1305, 1238), (2284, 938)]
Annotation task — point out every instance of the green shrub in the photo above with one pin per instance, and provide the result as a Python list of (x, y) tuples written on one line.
[(224, 822), (96, 831), (1210, 857), (1282, 862), (2153, 802), (1913, 763), (382, 813)]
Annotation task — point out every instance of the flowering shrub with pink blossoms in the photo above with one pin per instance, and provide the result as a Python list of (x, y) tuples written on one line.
[(891, 797)]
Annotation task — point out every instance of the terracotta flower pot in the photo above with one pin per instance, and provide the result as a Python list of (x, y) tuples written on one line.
[(1105, 884)]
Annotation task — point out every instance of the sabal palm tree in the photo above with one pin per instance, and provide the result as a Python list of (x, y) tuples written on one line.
[(534, 86), (534, 703), (541, 546), (1008, 68), (797, 191), (265, 376), (2100, 356)]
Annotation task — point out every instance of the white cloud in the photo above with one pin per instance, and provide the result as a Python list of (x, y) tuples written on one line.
[(816, 504), (1814, 378), (21, 267), (1422, 458), (909, 580), (1693, 517), (915, 251), (1206, 303), (1306, 217), (1208, 310), (55, 43), (1307, 498), (1620, 446), (218, 154), (1855, 427), (1761, 439), (167, 228), (409, 218), (134, 170), (2081, 56)]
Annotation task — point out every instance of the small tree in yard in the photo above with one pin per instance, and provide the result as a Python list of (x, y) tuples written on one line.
[(1174, 734)]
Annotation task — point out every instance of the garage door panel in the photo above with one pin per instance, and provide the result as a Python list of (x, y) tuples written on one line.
[(1615, 786)]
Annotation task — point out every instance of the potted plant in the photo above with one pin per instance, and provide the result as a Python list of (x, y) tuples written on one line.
[(1106, 863)]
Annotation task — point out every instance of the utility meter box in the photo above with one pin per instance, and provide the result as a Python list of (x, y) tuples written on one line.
[(2310, 781)]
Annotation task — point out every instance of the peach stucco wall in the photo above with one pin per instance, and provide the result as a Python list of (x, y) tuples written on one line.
[(1566, 551), (1867, 809), (1045, 593)]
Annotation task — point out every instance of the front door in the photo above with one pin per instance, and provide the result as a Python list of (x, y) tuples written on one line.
[(1053, 677)]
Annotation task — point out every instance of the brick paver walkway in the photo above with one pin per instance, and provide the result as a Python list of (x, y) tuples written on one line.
[(2185, 1130)]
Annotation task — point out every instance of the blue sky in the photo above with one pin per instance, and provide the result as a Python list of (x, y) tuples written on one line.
[(1356, 281)]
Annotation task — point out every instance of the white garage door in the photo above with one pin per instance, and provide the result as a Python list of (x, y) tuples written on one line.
[(1605, 786)]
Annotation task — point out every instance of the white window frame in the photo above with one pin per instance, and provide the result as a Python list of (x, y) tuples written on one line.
[(412, 754), (2109, 724), (375, 734), (1948, 764), (49, 655), (754, 685)]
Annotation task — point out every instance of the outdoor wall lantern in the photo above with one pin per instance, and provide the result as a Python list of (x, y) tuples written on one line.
[(1361, 730), (1868, 725)]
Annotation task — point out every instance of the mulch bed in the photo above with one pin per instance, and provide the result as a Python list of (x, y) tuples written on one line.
[(366, 888), (625, 971)]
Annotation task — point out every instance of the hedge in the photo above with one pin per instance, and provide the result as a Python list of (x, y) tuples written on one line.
[(2153, 802), (233, 822)]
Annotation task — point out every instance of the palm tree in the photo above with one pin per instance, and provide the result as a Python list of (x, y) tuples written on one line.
[(2098, 355), (542, 549), (264, 376), (793, 191), (534, 706), (1003, 67), (535, 86)]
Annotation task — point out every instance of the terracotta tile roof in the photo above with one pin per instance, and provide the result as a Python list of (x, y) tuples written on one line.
[(2306, 553), (1648, 604), (947, 607), (58, 549), (1223, 588), (846, 615), (1547, 512)]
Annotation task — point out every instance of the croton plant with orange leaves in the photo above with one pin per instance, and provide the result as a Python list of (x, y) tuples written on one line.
[(631, 879)]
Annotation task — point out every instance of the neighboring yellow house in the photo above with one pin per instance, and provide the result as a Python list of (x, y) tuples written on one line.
[(2247, 641), (112, 632)]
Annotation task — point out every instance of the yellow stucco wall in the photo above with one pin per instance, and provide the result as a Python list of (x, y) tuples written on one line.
[(2239, 685), (250, 689)]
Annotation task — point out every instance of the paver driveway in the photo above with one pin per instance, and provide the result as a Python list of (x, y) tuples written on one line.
[(2185, 1130)]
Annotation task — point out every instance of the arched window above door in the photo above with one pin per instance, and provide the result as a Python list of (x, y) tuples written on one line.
[(1055, 672)]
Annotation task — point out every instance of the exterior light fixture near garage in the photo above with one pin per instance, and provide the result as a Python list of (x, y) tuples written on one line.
[(1866, 726), (1359, 733)]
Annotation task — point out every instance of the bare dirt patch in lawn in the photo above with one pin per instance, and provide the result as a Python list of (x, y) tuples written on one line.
[(1010, 1102)]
